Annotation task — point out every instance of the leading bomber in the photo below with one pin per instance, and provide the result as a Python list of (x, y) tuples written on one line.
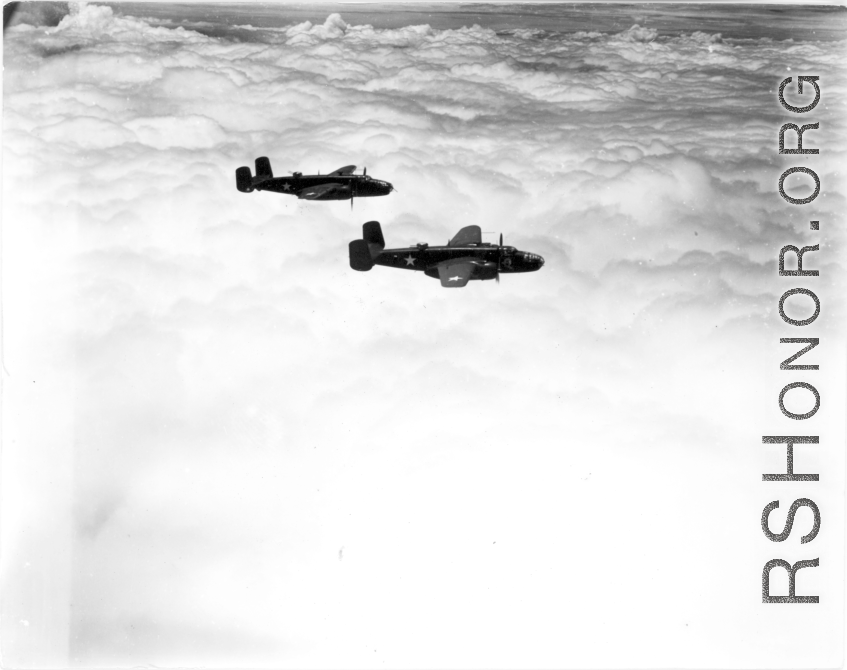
[(464, 258), (340, 184)]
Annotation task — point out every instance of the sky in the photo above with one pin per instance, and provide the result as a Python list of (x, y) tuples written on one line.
[(222, 447)]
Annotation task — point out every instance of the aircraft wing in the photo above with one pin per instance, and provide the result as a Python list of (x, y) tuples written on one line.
[(341, 172), (324, 191), (455, 274), (467, 235)]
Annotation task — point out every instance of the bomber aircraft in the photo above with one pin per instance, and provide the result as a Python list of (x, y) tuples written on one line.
[(464, 258), (341, 184)]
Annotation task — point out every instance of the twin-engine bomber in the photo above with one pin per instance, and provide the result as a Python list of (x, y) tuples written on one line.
[(464, 258), (341, 184)]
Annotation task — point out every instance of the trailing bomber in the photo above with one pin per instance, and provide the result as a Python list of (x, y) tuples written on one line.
[(341, 184), (465, 257)]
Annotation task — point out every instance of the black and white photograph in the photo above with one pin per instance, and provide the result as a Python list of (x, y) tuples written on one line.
[(423, 335)]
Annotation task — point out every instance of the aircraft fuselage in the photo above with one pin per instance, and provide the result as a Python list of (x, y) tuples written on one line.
[(360, 186), (464, 258), (425, 258), (340, 184)]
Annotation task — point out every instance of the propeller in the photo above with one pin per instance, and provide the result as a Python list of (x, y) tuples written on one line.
[(499, 257), (366, 172)]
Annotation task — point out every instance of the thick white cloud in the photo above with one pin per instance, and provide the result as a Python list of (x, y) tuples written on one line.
[(265, 458)]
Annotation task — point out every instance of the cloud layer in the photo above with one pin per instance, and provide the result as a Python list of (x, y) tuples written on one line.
[(279, 461)]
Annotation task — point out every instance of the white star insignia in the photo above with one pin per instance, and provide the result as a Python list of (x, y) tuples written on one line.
[(410, 260), (456, 278), (286, 187)]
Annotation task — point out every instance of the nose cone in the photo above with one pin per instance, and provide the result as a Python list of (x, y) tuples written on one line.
[(388, 188), (532, 262)]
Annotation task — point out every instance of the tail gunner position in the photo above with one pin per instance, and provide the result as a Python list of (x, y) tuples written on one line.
[(341, 184), (464, 258)]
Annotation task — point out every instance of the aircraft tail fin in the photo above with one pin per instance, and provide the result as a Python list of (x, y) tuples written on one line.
[(263, 168), (360, 256), (372, 234), (244, 179), (363, 252)]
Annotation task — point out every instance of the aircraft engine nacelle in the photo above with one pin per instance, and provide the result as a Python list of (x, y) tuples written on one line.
[(244, 180), (485, 271)]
